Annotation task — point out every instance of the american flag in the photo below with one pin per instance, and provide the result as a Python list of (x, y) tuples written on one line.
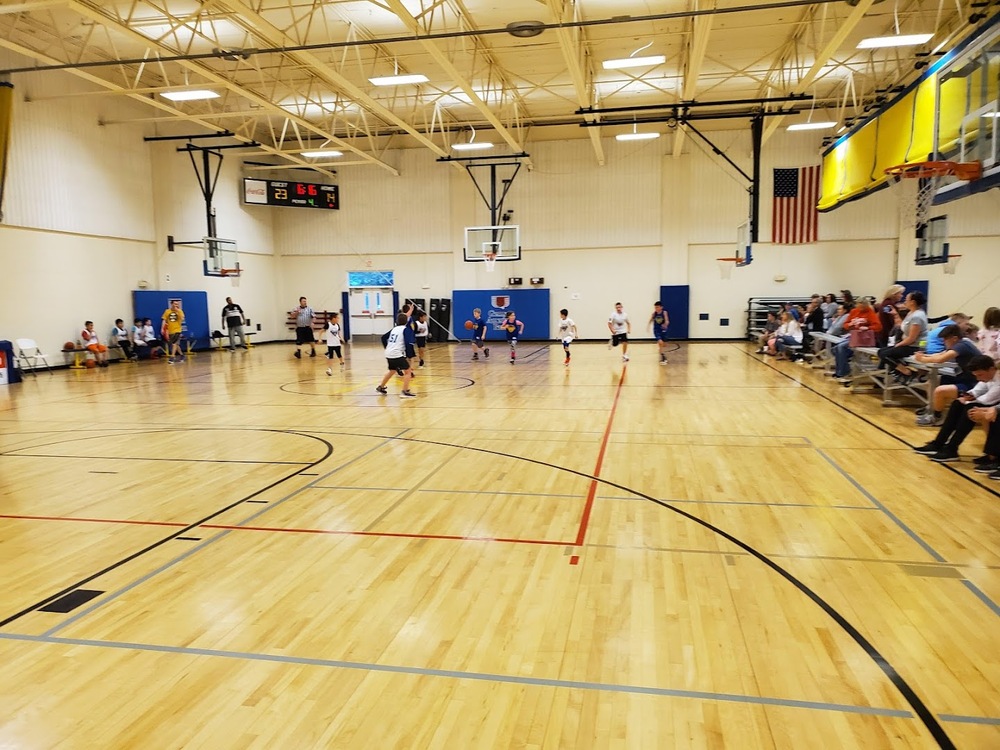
[(794, 218)]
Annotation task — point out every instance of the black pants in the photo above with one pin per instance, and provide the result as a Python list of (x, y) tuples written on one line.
[(894, 355), (956, 427), (992, 447)]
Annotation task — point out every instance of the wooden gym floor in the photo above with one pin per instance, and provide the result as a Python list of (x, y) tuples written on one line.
[(240, 551)]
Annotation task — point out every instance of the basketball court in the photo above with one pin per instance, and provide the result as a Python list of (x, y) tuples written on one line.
[(710, 553)]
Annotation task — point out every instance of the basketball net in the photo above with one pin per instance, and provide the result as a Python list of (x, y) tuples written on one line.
[(725, 268), (914, 204), (490, 259)]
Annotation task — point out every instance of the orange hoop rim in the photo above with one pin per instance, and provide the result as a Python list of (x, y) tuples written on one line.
[(964, 170), (731, 260), (229, 272)]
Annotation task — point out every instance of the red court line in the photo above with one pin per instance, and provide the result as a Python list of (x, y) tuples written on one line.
[(332, 532), (592, 492)]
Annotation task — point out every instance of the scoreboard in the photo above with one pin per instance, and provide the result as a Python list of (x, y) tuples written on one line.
[(293, 194)]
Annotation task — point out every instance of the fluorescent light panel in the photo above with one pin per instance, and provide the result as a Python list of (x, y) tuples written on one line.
[(636, 136), (471, 146), (899, 40), (189, 96), (812, 126), (317, 154), (399, 80), (634, 62)]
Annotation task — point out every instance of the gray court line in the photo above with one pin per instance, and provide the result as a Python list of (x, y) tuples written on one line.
[(148, 458), (409, 493), (979, 593), (875, 501), (478, 676), (992, 721), (982, 595), (170, 563)]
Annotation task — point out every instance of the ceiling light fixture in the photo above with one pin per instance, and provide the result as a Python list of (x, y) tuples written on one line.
[(636, 136), (904, 40), (398, 80), (189, 96), (635, 62), (525, 29), (318, 154), (811, 126), (472, 144)]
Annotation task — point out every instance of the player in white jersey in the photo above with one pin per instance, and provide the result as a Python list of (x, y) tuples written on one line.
[(620, 328), (396, 342), (420, 331), (333, 340), (567, 332)]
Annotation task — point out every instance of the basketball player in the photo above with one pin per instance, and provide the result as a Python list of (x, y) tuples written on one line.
[(92, 343), (479, 335), (304, 328), (567, 332), (620, 327), (173, 324), (660, 320), (514, 328), (420, 334), (396, 342), (333, 340)]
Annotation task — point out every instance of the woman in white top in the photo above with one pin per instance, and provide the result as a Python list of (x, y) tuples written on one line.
[(989, 335), (789, 333)]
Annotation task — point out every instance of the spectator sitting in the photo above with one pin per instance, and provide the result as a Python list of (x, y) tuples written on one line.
[(813, 318), (92, 343), (837, 322), (861, 318), (848, 299), (885, 309), (914, 326), (989, 334), (989, 462), (934, 344), (123, 339), (829, 306), (769, 328), (958, 424), (151, 339), (789, 333), (959, 350)]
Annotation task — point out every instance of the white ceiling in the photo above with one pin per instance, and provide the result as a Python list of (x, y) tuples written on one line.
[(512, 91)]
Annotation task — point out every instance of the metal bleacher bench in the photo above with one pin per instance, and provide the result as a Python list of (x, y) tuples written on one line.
[(865, 372)]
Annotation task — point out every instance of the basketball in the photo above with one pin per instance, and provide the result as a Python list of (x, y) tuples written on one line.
[(89, 363), (469, 325), (69, 346)]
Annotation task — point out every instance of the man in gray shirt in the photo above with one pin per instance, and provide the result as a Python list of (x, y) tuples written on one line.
[(304, 328)]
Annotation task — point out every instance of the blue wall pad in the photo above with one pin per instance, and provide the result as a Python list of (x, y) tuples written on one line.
[(530, 305), (677, 302), (194, 304)]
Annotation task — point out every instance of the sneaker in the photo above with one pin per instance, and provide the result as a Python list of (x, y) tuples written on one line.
[(298, 354), (421, 363), (312, 353), (945, 457), (845, 381), (329, 371), (246, 348), (930, 449), (512, 360), (342, 363), (475, 357), (930, 420), (994, 475), (381, 389), (232, 349), (407, 394), (987, 468), (663, 361), (170, 360), (566, 361), (486, 352), (624, 358), (984, 459), (610, 342)]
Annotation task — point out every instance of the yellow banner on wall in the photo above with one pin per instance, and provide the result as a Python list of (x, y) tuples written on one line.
[(6, 125)]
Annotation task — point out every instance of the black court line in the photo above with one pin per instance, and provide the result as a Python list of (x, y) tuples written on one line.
[(925, 715), (71, 601), (189, 538), (866, 420), (181, 531)]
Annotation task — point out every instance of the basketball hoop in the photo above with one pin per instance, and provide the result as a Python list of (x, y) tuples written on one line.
[(229, 272), (951, 264), (726, 266), (913, 209), (490, 259)]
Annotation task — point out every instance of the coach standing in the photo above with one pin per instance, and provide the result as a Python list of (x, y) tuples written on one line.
[(233, 319)]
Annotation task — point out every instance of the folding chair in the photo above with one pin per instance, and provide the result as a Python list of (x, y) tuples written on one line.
[(29, 355)]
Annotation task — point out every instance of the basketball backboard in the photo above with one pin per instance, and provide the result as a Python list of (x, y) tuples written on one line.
[(484, 244), (221, 257)]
